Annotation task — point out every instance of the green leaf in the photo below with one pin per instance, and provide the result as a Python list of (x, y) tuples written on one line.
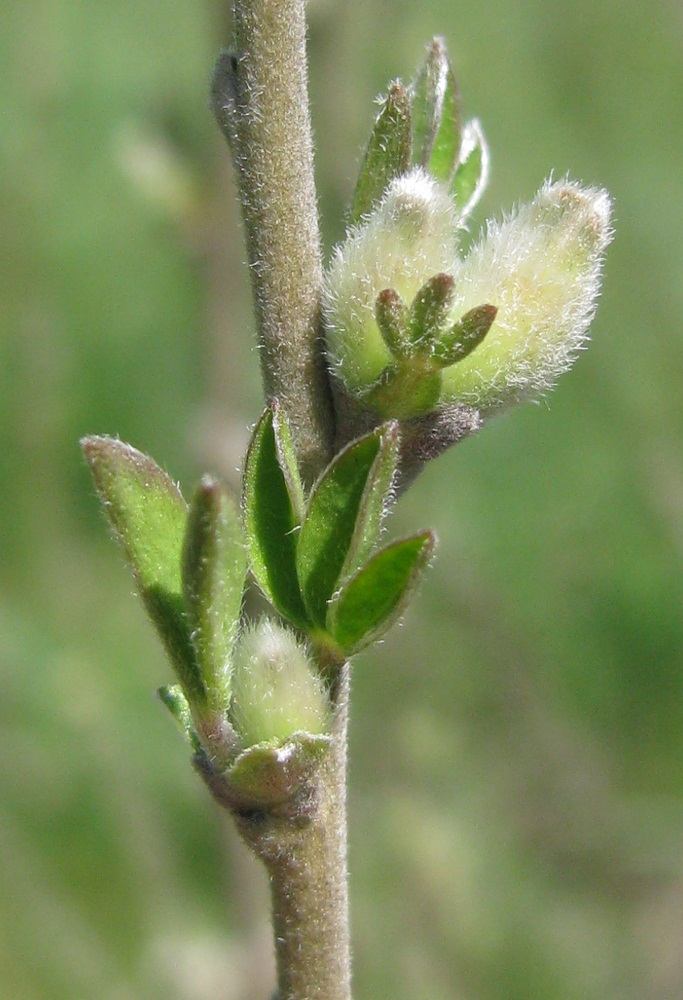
[(429, 311), (387, 154), (272, 502), (344, 513), (391, 315), (446, 146), (455, 344), (286, 456), (147, 513), (436, 114), (375, 501), (175, 701), (472, 173), (377, 595), (214, 567)]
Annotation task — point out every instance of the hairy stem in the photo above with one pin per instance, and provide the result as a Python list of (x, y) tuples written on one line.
[(306, 862), (261, 102)]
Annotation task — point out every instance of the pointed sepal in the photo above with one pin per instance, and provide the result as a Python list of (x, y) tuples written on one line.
[(147, 514), (387, 154), (214, 568), (372, 600)]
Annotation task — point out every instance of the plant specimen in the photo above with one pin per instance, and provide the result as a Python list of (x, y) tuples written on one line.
[(400, 348)]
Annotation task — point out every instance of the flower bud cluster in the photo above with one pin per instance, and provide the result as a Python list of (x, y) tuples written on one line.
[(530, 285)]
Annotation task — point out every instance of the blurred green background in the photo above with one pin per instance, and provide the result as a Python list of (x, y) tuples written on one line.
[(516, 802)]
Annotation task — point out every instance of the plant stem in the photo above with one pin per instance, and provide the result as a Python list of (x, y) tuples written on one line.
[(261, 102), (306, 862)]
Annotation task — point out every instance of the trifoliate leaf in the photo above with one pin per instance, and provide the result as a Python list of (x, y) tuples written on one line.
[(272, 499), (387, 154), (343, 517), (371, 601), (472, 173), (214, 568), (147, 513)]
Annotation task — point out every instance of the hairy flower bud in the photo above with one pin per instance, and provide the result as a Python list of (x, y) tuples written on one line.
[(541, 268), (276, 691), (410, 237), (533, 280)]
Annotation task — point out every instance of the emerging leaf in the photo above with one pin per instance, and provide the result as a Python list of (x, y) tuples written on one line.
[(147, 513), (429, 310), (344, 513), (455, 344), (272, 500), (472, 173), (377, 595), (214, 568), (436, 114), (387, 154), (175, 701), (391, 315)]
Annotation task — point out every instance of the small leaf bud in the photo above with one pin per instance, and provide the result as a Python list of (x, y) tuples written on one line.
[(404, 242), (391, 316), (429, 311), (455, 344), (276, 690), (541, 267)]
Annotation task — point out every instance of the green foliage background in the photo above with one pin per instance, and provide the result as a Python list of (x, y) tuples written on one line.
[(517, 748)]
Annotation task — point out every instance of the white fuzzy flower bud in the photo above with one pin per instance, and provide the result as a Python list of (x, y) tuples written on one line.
[(407, 239), (276, 690), (541, 267)]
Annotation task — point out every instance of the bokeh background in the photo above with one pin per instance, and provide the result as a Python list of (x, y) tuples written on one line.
[(516, 801)]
